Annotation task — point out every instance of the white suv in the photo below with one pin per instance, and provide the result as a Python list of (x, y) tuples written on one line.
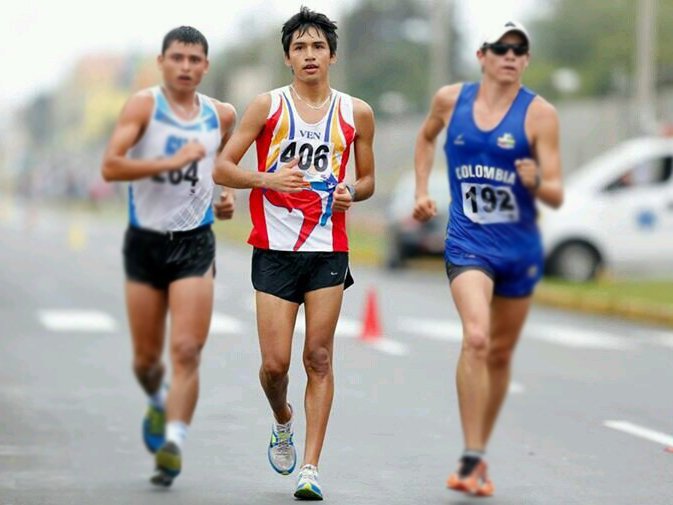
[(617, 215)]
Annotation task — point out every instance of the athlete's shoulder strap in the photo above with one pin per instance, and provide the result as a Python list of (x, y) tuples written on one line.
[(468, 92), (522, 101), (344, 101), (277, 96), (209, 113)]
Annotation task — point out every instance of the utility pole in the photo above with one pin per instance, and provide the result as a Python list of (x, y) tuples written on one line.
[(645, 92), (440, 43), (340, 72)]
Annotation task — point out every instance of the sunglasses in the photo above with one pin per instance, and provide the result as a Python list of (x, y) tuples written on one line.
[(501, 49)]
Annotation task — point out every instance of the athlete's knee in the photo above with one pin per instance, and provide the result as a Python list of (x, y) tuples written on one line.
[(476, 340), (186, 353), (274, 370), (318, 361), (146, 364), (500, 357), (147, 367)]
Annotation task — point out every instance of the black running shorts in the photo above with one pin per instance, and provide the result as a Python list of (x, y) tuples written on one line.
[(290, 275), (159, 258)]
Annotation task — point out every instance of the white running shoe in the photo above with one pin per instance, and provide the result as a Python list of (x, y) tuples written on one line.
[(281, 452), (307, 484)]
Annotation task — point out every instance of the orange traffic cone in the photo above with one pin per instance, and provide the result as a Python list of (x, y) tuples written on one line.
[(371, 326)]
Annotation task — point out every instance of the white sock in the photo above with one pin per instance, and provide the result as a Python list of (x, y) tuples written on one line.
[(158, 399), (474, 453), (176, 432)]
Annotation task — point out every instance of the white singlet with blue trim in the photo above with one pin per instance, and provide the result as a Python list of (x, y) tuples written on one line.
[(176, 200)]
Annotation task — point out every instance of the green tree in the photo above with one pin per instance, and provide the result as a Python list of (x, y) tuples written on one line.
[(388, 54), (596, 39)]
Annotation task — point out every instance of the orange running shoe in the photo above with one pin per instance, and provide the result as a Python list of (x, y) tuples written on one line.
[(475, 482)]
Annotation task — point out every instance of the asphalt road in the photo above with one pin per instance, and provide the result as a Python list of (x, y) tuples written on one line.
[(587, 421)]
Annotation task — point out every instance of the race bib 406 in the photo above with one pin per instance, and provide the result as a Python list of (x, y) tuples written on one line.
[(315, 157)]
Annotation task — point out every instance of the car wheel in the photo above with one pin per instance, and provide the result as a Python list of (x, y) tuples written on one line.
[(575, 261), (395, 253)]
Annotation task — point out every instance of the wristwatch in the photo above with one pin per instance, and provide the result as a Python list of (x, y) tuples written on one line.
[(351, 190)]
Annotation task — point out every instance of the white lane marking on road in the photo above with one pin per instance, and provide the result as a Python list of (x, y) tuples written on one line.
[(439, 329), (350, 328), (451, 330), (577, 337), (640, 431), (664, 338), (388, 346), (222, 323), (347, 328), (77, 320), (21, 450), (251, 304)]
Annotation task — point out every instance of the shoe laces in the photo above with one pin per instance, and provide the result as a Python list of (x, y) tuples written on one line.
[(283, 438), (309, 472)]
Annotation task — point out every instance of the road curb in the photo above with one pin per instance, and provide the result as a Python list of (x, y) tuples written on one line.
[(632, 310)]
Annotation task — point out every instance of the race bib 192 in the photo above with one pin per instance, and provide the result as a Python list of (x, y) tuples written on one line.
[(486, 204)]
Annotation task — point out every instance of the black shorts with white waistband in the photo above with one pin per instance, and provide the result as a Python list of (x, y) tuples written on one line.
[(290, 275), (159, 258)]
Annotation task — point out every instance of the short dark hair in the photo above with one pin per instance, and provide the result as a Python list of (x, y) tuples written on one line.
[(186, 35), (305, 19)]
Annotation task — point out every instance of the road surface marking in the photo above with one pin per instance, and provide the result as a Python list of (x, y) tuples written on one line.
[(222, 323), (665, 339), (77, 320), (346, 328), (350, 328), (388, 346), (577, 337), (640, 431), (439, 329), (76, 236), (451, 330)]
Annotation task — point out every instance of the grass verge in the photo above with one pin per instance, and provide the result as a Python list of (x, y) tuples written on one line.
[(641, 300)]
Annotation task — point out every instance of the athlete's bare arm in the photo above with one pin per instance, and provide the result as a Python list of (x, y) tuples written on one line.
[(287, 178), (224, 207), (131, 124), (364, 158), (364, 149), (543, 174), (227, 115), (424, 154)]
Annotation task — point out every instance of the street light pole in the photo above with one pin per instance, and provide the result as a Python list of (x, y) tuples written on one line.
[(440, 43), (645, 93)]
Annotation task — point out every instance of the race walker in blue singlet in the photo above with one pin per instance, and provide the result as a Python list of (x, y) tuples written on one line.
[(492, 222), (502, 150)]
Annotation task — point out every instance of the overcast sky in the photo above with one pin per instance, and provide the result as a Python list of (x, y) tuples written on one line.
[(42, 39)]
